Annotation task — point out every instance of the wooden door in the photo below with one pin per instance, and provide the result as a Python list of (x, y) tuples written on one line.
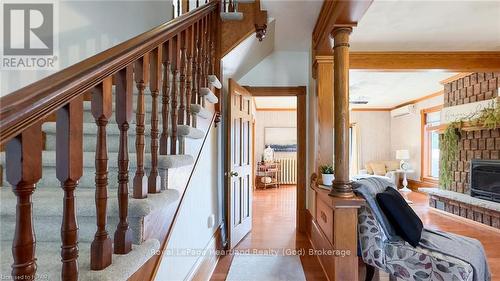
[(240, 160)]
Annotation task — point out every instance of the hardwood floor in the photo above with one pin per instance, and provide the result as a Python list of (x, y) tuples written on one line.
[(273, 228)]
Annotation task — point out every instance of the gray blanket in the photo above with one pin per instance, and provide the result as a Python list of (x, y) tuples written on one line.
[(463, 248)]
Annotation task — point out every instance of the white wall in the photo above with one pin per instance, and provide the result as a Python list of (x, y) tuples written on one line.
[(191, 230), (406, 134), (279, 69), (89, 27), (272, 119), (374, 135)]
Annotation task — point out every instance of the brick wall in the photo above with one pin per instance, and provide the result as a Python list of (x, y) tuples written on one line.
[(482, 144)]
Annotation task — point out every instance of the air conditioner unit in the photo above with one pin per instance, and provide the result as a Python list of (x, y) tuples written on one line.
[(403, 111)]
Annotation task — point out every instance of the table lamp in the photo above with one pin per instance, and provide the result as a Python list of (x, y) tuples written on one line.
[(403, 155)]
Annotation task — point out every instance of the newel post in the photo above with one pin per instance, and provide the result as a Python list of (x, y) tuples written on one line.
[(341, 185)]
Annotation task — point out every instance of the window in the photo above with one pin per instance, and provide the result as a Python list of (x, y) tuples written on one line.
[(431, 119)]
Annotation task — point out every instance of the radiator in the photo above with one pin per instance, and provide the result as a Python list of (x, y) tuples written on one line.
[(288, 171)]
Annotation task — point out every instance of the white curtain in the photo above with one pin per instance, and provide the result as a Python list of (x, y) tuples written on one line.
[(355, 149)]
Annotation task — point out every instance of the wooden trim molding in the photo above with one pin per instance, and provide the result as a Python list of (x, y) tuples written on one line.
[(447, 61), (275, 109), (276, 91), (204, 267), (300, 93)]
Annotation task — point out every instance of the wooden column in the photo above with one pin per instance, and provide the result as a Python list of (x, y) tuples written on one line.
[(341, 185), (154, 182), (324, 66), (141, 78), (101, 247), (24, 169), (69, 169), (124, 111)]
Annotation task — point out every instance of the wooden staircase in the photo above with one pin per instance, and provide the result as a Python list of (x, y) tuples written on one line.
[(129, 124)]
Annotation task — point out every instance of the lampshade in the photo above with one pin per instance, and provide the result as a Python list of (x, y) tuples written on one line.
[(402, 154)]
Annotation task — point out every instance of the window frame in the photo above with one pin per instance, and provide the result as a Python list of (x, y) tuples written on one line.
[(425, 173)]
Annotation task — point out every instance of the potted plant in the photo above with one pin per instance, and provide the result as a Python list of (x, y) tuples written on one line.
[(326, 174)]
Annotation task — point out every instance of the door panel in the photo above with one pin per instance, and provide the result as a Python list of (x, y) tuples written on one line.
[(240, 168)]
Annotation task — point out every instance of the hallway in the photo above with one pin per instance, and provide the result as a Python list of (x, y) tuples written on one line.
[(273, 231)]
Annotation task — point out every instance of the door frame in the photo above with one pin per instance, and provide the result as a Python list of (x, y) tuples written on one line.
[(300, 93)]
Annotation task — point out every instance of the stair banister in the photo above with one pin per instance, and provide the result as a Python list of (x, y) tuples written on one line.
[(174, 94), (189, 55), (23, 111), (165, 101)]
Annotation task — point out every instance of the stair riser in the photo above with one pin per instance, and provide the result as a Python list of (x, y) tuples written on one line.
[(47, 229)]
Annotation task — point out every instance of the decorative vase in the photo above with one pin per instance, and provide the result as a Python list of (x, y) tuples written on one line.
[(327, 179)]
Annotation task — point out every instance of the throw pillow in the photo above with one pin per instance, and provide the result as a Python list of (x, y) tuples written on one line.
[(400, 215), (378, 168)]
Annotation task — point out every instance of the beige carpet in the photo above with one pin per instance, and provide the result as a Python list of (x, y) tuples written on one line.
[(266, 268)]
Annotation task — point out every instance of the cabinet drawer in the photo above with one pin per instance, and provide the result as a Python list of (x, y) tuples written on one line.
[(324, 217)]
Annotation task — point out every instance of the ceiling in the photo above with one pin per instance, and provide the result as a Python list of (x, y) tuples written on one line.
[(388, 89), (275, 102), (429, 26), (295, 20)]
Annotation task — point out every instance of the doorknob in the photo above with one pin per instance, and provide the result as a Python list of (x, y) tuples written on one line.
[(233, 174)]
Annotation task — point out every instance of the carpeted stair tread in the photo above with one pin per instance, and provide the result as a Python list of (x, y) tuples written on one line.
[(200, 111), (232, 16), (176, 161), (164, 161), (47, 220), (49, 265), (208, 95), (112, 130), (49, 202)]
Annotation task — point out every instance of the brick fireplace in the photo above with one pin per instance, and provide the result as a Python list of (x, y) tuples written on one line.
[(480, 144)]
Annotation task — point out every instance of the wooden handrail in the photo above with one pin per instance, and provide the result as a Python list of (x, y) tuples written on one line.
[(27, 106)]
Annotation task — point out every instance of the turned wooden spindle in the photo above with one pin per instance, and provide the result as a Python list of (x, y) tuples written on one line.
[(154, 182), (182, 78), (204, 38), (23, 161), (69, 169), (231, 6), (189, 55), (141, 78), (175, 71), (165, 101), (194, 90), (199, 62), (101, 248), (124, 111)]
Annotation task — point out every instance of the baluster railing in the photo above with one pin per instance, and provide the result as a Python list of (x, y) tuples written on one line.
[(203, 77), (24, 170), (141, 77), (194, 91), (175, 87), (69, 169), (154, 184), (199, 62), (101, 248), (124, 111), (182, 78), (165, 110), (189, 55), (63, 93)]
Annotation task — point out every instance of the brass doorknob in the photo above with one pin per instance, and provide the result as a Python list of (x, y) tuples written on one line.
[(233, 174)]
